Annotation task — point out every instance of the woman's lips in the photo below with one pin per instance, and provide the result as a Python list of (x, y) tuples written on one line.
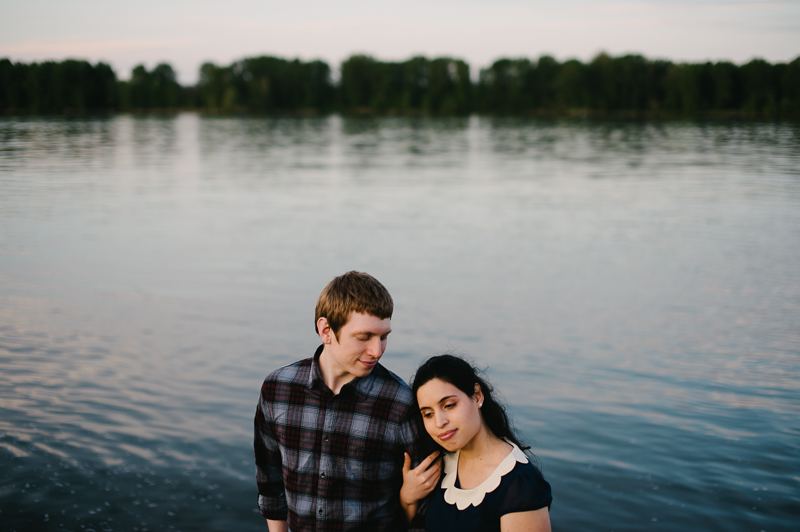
[(444, 436)]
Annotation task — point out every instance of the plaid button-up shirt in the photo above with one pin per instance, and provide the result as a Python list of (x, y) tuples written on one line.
[(333, 463)]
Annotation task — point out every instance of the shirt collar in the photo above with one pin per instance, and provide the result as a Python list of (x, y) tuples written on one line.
[(361, 386), (315, 375)]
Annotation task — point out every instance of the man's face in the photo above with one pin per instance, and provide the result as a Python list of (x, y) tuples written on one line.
[(360, 346)]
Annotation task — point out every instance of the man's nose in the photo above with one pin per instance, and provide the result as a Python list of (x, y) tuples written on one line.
[(375, 347)]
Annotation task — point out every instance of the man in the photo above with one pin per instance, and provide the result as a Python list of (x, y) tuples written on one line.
[(331, 432)]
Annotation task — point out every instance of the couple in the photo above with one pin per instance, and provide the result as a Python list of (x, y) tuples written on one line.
[(336, 436)]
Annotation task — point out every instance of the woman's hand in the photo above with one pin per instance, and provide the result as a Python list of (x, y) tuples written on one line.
[(419, 482)]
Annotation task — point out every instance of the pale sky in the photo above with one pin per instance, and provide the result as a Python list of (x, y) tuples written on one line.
[(186, 33)]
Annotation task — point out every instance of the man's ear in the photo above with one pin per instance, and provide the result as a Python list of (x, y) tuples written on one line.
[(324, 330)]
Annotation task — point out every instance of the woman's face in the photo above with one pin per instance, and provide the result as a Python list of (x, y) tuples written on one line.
[(451, 417)]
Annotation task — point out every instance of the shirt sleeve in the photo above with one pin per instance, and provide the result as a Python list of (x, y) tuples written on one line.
[(415, 438), (526, 490), (269, 470)]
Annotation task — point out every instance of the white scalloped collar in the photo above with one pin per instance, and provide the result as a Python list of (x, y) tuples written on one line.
[(463, 498)]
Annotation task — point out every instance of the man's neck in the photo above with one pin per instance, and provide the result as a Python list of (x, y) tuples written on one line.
[(333, 377)]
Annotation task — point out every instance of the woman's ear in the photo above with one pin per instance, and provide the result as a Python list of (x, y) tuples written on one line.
[(478, 396)]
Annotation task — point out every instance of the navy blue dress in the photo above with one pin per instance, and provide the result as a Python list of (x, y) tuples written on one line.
[(522, 489)]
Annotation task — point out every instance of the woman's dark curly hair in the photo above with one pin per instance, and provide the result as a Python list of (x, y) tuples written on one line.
[(464, 376)]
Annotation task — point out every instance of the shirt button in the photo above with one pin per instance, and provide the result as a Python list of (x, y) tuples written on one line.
[(322, 475), (325, 438), (320, 511)]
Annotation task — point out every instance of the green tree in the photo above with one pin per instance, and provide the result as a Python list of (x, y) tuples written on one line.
[(358, 83), (790, 88), (570, 85), (51, 87), (758, 87), (727, 86), (509, 86), (216, 88), (448, 89), (153, 90)]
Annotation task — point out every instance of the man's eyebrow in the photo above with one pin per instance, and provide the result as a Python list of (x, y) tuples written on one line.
[(371, 333)]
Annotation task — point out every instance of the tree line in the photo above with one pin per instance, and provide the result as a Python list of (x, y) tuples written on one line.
[(629, 84)]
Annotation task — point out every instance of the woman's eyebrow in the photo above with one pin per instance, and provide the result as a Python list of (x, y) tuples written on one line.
[(442, 400)]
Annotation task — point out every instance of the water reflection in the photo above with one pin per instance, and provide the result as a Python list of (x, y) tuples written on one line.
[(631, 286)]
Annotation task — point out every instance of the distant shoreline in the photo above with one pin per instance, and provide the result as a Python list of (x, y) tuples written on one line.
[(629, 86)]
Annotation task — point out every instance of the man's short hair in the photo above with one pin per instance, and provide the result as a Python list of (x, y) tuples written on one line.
[(352, 292)]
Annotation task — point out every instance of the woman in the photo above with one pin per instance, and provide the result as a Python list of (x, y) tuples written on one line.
[(488, 483)]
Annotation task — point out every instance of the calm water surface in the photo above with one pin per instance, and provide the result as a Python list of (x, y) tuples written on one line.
[(633, 288)]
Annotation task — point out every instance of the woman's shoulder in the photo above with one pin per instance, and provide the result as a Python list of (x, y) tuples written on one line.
[(524, 488), (527, 473)]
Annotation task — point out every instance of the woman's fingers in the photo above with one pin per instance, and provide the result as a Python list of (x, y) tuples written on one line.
[(406, 463), (428, 471), (425, 464), (435, 470)]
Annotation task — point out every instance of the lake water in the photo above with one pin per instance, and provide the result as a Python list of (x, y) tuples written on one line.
[(632, 287)]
